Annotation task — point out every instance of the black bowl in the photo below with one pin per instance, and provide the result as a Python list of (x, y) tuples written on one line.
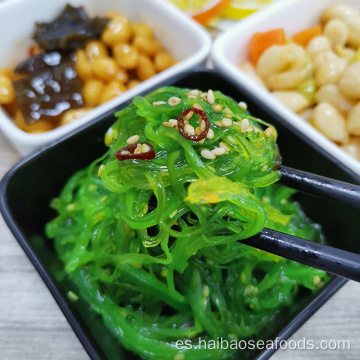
[(26, 191)]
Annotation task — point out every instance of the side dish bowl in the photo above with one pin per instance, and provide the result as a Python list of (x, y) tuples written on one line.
[(182, 37), (44, 173), (232, 49)]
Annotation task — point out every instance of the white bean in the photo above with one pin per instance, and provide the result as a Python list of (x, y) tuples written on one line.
[(207, 154), (353, 25), (332, 95), (307, 115), (292, 100), (349, 83), (330, 122), (337, 33), (352, 148), (318, 45), (346, 53), (350, 16), (341, 12), (328, 68), (283, 67), (353, 120), (249, 70)]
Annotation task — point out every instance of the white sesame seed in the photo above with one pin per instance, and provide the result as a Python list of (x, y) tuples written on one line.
[(249, 129), (201, 141), (243, 105), (227, 122), (217, 107), (256, 130), (189, 129), (173, 101), (224, 146), (72, 296), (189, 115), (210, 97), (193, 94), (245, 123), (202, 124), (207, 154), (109, 138), (316, 280), (101, 170), (210, 134), (157, 103), (133, 139), (198, 131), (145, 148), (138, 149), (203, 96), (167, 124), (197, 106), (173, 122), (115, 134), (125, 152), (218, 151), (219, 123), (235, 123), (268, 132), (228, 112)]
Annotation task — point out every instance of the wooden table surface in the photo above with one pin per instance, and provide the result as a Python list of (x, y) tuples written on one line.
[(33, 328)]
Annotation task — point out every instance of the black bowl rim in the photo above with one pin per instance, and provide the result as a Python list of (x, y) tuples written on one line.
[(330, 289)]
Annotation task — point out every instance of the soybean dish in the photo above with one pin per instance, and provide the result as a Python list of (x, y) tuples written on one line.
[(150, 233), (77, 63), (315, 73)]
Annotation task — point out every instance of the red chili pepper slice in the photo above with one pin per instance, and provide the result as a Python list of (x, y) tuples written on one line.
[(123, 155), (181, 124)]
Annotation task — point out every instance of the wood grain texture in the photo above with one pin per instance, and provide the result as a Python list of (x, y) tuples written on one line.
[(33, 328)]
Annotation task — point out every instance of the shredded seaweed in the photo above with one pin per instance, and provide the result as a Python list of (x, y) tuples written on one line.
[(153, 246)]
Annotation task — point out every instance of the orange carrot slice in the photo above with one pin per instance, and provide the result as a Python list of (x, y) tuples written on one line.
[(262, 41), (304, 37), (215, 11)]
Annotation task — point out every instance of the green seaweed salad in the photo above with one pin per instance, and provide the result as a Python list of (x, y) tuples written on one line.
[(150, 232)]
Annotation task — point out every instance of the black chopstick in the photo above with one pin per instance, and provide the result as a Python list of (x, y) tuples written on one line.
[(332, 260), (320, 186)]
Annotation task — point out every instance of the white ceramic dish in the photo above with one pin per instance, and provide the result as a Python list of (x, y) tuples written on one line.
[(232, 48), (182, 37)]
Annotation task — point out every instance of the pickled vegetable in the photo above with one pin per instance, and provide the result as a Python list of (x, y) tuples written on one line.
[(49, 85), (71, 30)]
